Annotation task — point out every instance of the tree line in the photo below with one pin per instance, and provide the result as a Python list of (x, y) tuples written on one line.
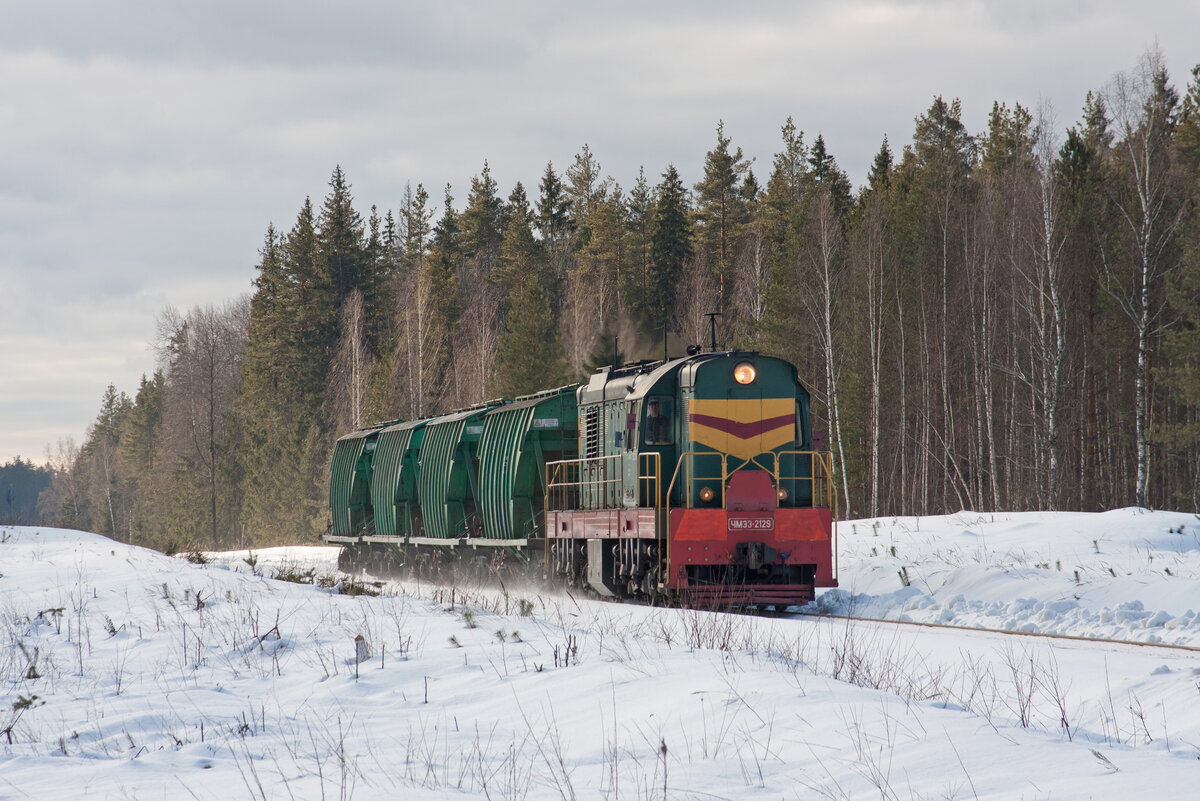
[(1000, 320)]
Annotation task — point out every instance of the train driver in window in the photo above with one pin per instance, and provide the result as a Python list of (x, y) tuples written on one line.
[(658, 425)]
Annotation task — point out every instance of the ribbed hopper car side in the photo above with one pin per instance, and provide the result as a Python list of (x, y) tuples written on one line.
[(448, 480), (394, 483), (350, 472), (518, 439)]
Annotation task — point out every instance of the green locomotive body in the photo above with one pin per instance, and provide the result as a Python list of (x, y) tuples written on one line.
[(692, 478)]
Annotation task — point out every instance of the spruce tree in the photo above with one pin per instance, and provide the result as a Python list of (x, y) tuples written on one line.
[(639, 212), (781, 221), (446, 258), (312, 308), (721, 211), (380, 272), (530, 354), (553, 212), (881, 168), (425, 310), (823, 168), (670, 250), (522, 257), (1178, 430), (482, 224), (340, 239)]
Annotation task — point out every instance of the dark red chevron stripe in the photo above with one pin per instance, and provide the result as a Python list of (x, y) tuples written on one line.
[(743, 430)]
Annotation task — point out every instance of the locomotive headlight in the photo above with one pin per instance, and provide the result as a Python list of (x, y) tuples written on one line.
[(783, 495), (707, 494), (744, 373)]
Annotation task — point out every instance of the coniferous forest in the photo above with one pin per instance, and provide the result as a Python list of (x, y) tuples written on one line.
[(1005, 319)]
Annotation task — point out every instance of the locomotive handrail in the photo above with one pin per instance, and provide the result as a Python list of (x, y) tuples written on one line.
[(829, 492), (820, 477), (565, 475), (565, 482), (653, 478)]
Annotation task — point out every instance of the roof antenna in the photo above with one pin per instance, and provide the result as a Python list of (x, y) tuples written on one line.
[(665, 357), (712, 319)]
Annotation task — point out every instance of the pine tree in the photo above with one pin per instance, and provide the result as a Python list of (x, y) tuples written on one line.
[(584, 188), (604, 259), (482, 224), (1010, 140)]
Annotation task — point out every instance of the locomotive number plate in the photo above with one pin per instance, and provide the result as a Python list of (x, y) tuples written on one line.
[(751, 524)]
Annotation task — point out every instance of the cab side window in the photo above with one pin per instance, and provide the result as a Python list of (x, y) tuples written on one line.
[(657, 424)]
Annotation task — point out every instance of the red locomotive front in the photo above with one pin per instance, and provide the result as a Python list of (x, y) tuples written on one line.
[(697, 481)]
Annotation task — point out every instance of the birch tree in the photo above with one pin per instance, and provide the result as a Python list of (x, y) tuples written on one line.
[(1143, 106)]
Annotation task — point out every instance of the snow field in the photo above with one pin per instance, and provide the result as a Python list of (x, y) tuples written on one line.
[(128, 674)]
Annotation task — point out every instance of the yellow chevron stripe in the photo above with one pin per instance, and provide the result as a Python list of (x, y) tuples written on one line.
[(742, 448)]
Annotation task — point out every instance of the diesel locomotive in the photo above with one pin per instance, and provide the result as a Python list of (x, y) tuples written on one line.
[(688, 480)]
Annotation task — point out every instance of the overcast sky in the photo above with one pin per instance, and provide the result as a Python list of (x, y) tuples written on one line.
[(145, 146)]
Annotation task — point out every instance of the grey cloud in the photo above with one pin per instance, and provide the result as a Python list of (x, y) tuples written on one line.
[(145, 146), (276, 33)]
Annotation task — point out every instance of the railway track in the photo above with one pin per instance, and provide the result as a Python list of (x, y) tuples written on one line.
[(1012, 632), (1137, 644)]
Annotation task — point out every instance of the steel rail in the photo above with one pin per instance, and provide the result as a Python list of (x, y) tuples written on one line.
[(1041, 634)]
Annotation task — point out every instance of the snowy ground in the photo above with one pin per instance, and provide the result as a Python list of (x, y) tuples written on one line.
[(126, 674)]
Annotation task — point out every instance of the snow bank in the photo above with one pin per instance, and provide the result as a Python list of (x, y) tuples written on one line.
[(1128, 574), (128, 674)]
